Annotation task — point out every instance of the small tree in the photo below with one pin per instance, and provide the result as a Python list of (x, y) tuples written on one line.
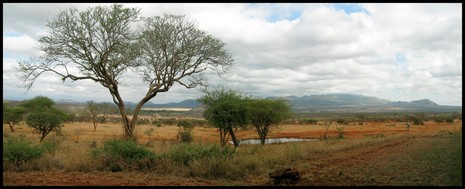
[(43, 116), (149, 132), (266, 112), (327, 128), (225, 109), (97, 112), (12, 115)]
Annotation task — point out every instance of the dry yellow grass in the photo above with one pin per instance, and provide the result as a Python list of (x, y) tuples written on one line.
[(249, 161), (82, 132)]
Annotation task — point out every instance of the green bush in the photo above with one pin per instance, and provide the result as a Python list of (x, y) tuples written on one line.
[(168, 121), (186, 124), (185, 135), (117, 154), (185, 153), (158, 123), (341, 121), (417, 121), (309, 121), (18, 150), (340, 132), (143, 122), (449, 120)]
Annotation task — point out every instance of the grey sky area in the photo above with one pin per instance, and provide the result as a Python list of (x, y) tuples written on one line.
[(398, 52)]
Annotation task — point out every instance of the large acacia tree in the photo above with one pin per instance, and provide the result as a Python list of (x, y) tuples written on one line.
[(103, 42)]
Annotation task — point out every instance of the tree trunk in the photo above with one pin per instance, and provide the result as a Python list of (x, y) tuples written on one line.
[(44, 134), (233, 137), (126, 126), (261, 135), (135, 114), (95, 125), (327, 128), (11, 127), (128, 132), (222, 137)]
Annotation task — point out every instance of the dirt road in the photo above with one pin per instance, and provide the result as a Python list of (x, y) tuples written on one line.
[(420, 161)]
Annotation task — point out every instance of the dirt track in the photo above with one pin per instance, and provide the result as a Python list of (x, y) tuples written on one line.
[(397, 163)]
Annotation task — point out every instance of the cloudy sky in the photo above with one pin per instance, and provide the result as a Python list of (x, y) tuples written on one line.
[(398, 52)]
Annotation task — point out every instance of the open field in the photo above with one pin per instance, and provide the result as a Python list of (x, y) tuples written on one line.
[(370, 154), (83, 132)]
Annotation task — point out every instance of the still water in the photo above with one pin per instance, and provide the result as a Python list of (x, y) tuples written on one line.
[(274, 140)]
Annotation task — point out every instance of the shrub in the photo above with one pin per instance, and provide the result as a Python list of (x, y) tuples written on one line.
[(341, 121), (117, 154), (185, 123), (449, 120), (185, 135), (168, 121), (417, 121), (18, 150), (158, 123), (340, 132), (143, 122), (309, 121), (185, 153)]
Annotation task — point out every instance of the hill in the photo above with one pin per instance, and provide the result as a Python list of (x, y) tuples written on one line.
[(339, 103)]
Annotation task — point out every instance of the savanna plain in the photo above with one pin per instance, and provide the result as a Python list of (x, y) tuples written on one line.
[(356, 153)]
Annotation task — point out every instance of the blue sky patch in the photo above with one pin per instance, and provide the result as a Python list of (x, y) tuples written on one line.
[(277, 12), (277, 16), (400, 58), (349, 8), (12, 34)]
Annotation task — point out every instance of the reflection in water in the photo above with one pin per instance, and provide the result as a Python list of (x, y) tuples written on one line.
[(274, 140)]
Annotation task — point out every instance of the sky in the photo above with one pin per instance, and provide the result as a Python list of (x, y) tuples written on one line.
[(394, 51)]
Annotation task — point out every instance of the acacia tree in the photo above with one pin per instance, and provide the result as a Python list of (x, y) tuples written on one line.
[(102, 44), (42, 116), (225, 109), (266, 112), (12, 115)]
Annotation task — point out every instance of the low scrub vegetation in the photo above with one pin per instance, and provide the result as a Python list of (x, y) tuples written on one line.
[(20, 150), (183, 159), (117, 155)]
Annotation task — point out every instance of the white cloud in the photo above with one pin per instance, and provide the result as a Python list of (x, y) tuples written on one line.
[(20, 44), (392, 51)]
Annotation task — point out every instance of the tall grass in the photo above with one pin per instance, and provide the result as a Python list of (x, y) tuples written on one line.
[(188, 159)]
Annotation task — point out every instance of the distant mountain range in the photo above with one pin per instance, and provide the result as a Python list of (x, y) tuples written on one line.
[(321, 103), (337, 102)]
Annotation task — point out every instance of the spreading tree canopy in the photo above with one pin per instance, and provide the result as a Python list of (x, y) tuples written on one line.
[(103, 42)]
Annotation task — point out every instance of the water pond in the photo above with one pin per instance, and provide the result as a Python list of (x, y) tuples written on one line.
[(274, 140)]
